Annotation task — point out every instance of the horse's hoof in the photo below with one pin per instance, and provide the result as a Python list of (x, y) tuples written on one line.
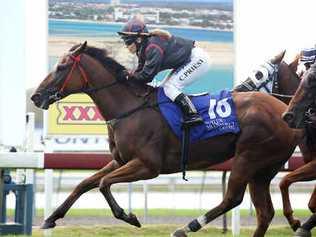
[(302, 233), (48, 225), (179, 233), (132, 219), (296, 224)]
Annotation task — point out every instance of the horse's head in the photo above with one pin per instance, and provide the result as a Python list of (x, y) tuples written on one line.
[(83, 69), (302, 105), (67, 76), (273, 77), (264, 77)]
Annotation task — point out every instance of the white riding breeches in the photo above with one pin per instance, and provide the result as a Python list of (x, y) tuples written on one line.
[(198, 65)]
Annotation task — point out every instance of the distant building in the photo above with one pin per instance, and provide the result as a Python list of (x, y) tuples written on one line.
[(118, 14), (152, 18), (115, 2)]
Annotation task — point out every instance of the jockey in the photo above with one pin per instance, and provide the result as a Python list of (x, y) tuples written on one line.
[(307, 58), (158, 50)]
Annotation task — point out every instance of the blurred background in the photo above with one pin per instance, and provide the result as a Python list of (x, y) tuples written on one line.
[(238, 35)]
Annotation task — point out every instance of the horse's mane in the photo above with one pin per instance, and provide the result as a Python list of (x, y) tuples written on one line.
[(108, 62)]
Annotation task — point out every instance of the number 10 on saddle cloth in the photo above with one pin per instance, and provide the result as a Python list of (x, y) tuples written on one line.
[(217, 110)]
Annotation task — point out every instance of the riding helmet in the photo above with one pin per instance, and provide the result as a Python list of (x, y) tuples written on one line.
[(132, 30)]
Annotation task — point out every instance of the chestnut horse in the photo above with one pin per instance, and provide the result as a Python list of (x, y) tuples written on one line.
[(301, 114), (279, 79), (143, 146)]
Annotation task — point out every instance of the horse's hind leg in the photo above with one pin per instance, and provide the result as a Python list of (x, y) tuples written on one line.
[(260, 196), (304, 173), (237, 183), (134, 170), (312, 201), (86, 185)]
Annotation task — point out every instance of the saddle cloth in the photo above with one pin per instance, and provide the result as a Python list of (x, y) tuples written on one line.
[(218, 112)]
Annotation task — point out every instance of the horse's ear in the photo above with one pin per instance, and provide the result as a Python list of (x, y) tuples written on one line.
[(80, 49), (278, 58), (293, 65)]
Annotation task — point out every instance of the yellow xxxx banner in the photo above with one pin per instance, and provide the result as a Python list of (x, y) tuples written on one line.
[(75, 115)]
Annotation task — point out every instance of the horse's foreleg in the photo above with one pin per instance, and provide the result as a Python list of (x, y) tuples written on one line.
[(304, 173), (86, 185), (234, 195), (305, 230), (134, 170), (261, 198)]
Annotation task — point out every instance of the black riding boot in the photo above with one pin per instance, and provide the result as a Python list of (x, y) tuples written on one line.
[(191, 116)]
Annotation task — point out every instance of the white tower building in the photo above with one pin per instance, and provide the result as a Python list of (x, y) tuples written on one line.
[(115, 2)]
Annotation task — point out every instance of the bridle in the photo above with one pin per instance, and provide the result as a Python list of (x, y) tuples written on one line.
[(76, 63), (85, 89), (271, 78), (311, 109)]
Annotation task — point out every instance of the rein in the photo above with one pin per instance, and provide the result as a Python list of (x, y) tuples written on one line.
[(144, 105), (281, 95)]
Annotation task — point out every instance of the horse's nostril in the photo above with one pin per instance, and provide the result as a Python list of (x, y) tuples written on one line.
[(288, 117), (35, 97)]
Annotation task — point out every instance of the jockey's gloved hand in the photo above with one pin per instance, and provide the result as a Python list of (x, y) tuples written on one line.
[(123, 76)]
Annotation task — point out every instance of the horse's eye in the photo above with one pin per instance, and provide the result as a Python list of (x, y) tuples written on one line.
[(259, 75)]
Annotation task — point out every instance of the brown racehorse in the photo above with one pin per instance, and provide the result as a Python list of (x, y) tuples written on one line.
[(143, 146), (301, 114), (281, 81)]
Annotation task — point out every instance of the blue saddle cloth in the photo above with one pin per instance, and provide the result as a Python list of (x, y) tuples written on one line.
[(218, 112)]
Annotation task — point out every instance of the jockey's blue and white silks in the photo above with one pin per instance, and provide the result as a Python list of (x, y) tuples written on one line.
[(196, 66), (218, 112)]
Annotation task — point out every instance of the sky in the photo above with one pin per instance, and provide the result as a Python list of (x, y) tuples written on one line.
[(207, 1), (263, 28)]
